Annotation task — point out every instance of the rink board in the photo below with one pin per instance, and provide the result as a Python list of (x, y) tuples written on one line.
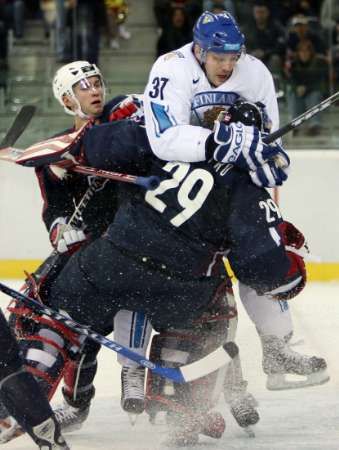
[(14, 269)]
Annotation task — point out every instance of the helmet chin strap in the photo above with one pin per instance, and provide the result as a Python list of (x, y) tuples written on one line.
[(78, 111)]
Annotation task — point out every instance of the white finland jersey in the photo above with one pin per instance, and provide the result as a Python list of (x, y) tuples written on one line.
[(179, 101)]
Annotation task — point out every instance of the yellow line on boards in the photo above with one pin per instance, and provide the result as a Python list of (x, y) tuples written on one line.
[(12, 268)]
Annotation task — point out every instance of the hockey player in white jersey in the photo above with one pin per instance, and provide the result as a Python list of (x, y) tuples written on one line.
[(188, 87)]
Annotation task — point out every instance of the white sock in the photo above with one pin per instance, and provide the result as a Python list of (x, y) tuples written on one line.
[(133, 330), (271, 317)]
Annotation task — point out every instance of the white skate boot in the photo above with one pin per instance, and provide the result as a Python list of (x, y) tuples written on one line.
[(242, 404), (132, 391), (69, 417), (9, 429), (279, 360), (48, 436)]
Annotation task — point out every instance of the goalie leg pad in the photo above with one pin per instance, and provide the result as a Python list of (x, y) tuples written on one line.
[(79, 374), (174, 348), (46, 353)]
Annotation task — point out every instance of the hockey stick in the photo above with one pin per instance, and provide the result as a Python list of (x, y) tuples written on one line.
[(12, 154), (210, 363), (18, 126), (55, 260), (301, 119), (151, 182)]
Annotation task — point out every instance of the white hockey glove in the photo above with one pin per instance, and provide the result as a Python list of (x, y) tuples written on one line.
[(272, 173), (240, 145), (65, 239)]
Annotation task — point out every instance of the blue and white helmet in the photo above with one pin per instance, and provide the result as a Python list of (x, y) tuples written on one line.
[(218, 33)]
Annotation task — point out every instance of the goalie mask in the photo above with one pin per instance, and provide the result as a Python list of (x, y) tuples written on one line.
[(65, 79), (252, 114)]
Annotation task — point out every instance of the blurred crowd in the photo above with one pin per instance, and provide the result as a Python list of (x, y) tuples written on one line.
[(298, 40), (77, 26)]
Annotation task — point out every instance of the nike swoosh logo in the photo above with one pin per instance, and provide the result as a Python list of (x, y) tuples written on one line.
[(196, 81)]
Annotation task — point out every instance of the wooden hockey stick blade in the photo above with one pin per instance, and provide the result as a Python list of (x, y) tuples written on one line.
[(208, 364), (18, 126)]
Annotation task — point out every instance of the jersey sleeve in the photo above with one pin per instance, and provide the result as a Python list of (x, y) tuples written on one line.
[(117, 146), (257, 254), (167, 104), (267, 96), (56, 194)]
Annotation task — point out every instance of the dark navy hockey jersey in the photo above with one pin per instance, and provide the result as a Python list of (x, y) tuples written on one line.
[(198, 210)]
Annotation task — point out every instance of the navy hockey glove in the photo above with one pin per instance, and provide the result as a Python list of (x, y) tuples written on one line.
[(64, 238), (272, 173), (296, 249), (240, 145)]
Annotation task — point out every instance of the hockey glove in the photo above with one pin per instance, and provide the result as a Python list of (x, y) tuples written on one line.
[(240, 145), (296, 249), (272, 173), (65, 238), (129, 108)]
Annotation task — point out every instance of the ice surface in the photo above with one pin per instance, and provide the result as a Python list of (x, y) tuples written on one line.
[(304, 419)]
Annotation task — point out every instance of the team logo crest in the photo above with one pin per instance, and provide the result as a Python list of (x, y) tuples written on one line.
[(207, 19), (211, 115)]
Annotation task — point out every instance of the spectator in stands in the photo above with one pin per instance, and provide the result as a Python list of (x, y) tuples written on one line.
[(116, 13), (62, 30), (216, 6), (88, 19), (265, 38), (329, 14), (308, 80), (11, 17), (308, 8), (163, 11), (176, 34), (48, 9), (300, 31), (335, 55)]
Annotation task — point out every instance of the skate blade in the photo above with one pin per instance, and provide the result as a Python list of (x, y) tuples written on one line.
[(249, 432), (71, 428), (278, 382)]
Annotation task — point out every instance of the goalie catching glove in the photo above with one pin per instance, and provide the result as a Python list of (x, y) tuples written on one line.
[(65, 238), (242, 146)]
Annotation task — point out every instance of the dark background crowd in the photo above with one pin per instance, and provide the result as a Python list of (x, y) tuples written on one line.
[(298, 40)]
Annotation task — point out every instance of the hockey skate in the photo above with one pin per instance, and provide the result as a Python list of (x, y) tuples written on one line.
[(279, 360), (9, 429), (132, 391), (69, 417), (242, 404), (48, 436)]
